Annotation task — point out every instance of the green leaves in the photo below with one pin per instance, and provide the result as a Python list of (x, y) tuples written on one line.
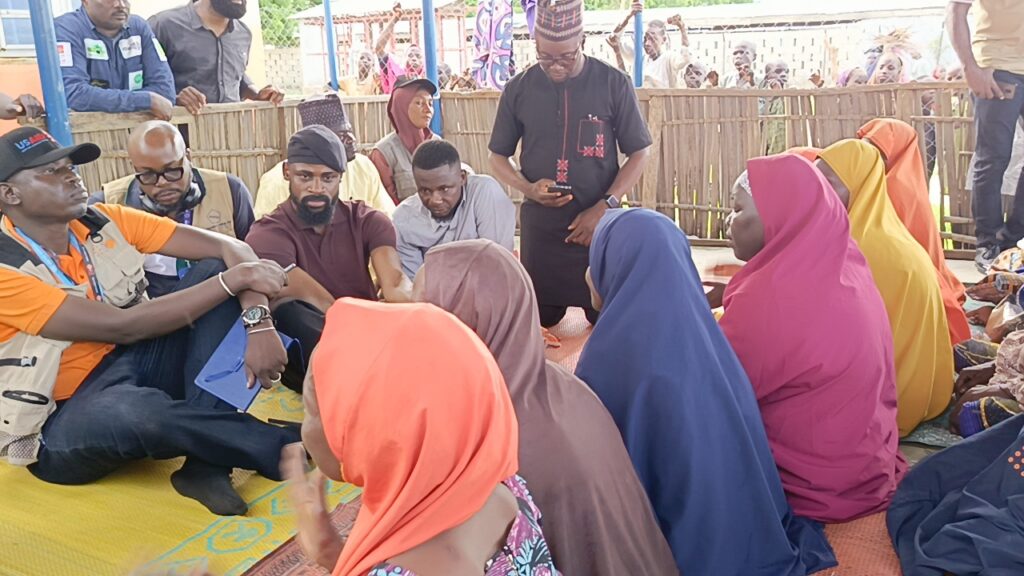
[(278, 29)]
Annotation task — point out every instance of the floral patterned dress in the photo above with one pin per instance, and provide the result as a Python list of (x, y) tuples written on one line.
[(525, 552)]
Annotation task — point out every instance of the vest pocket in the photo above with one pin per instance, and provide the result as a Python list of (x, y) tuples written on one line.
[(23, 412), (28, 373), (123, 280)]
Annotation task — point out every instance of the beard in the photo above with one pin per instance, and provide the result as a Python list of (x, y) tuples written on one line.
[(228, 9), (313, 217)]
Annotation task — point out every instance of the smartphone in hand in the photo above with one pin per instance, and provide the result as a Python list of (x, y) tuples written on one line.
[(560, 189)]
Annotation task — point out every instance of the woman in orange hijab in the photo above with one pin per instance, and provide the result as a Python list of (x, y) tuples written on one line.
[(908, 191), (407, 403)]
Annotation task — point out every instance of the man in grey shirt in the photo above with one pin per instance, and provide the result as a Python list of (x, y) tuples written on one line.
[(449, 206), (207, 47)]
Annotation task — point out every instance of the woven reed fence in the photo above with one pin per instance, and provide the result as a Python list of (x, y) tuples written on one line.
[(702, 139)]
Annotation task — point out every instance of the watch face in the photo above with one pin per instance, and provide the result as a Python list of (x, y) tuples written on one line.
[(253, 315)]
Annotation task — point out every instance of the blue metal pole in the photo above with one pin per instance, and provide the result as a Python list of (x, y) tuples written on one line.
[(49, 71), (430, 54), (332, 45), (638, 50)]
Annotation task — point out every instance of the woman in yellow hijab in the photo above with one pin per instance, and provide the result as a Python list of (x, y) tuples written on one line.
[(905, 277)]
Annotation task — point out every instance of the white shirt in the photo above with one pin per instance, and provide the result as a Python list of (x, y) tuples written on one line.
[(664, 72)]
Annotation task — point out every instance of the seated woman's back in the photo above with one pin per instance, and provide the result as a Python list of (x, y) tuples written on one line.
[(598, 520), (407, 403), (806, 320), (906, 280), (907, 188), (686, 410)]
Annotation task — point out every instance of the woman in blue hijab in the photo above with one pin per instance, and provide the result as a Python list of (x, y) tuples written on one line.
[(686, 410)]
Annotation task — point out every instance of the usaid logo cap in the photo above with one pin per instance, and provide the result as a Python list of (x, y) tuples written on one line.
[(29, 147)]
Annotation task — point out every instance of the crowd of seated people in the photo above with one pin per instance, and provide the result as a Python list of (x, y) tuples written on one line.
[(601, 456), (700, 433)]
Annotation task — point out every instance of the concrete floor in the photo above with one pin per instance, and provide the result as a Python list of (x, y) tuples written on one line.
[(706, 257)]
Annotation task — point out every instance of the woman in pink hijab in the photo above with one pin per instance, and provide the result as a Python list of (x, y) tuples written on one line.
[(810, 328)]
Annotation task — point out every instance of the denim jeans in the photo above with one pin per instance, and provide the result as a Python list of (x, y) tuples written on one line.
[(996, 122), (142, 402)]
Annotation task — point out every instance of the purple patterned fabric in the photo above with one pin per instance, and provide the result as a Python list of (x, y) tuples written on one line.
[(530, 8), (492, 39), (525, 552)]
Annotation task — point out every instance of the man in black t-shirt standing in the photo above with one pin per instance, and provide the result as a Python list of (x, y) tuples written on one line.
[(573, 115)]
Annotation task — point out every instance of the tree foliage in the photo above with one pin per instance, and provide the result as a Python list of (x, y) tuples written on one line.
[(278, 28)]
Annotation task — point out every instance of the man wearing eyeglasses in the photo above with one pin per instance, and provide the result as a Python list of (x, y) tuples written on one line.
[(573, 115), (166, 183)]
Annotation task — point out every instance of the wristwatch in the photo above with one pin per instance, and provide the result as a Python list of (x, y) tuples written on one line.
[(256, 315), (612, 202)]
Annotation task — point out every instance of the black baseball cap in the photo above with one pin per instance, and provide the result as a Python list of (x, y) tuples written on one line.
[(422, 83), (28, 147)]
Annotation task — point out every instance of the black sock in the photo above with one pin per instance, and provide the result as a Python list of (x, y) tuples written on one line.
[(210, 486)]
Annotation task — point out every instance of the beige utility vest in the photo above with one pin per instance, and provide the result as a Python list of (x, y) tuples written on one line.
[(29, 364), (215, 213), (400, 161)]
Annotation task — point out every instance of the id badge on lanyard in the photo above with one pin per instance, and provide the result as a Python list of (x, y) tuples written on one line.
[(182, 266), (49, 260)]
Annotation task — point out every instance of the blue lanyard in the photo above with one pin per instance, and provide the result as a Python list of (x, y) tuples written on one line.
[(46, 257)]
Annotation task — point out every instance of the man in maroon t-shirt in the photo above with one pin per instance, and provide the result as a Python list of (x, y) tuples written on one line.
[(331, 242)]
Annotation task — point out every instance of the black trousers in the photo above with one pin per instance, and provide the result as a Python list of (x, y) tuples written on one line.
[(142, 402), (305, 323), (552, 315)]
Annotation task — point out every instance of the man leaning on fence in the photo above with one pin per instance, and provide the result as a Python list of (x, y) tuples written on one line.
[(663, 65), (744, 58), (111, 61), (207, 46), (994, 67), (166, 184)]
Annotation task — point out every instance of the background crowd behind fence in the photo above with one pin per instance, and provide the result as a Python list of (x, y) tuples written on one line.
[(702, 139), (827, 39)]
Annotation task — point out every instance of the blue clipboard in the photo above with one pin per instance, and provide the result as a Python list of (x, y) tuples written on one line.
[(224, 373)]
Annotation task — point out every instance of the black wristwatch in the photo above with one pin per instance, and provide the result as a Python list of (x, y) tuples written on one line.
[(612, 202), (256, 315)]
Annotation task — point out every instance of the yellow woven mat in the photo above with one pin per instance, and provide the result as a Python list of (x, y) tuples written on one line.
[(134, 517)]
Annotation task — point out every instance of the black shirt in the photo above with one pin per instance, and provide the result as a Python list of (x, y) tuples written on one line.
[(571, 132)]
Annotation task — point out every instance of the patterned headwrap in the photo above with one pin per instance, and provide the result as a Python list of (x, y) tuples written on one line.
[(559, 20), (744, 182)]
